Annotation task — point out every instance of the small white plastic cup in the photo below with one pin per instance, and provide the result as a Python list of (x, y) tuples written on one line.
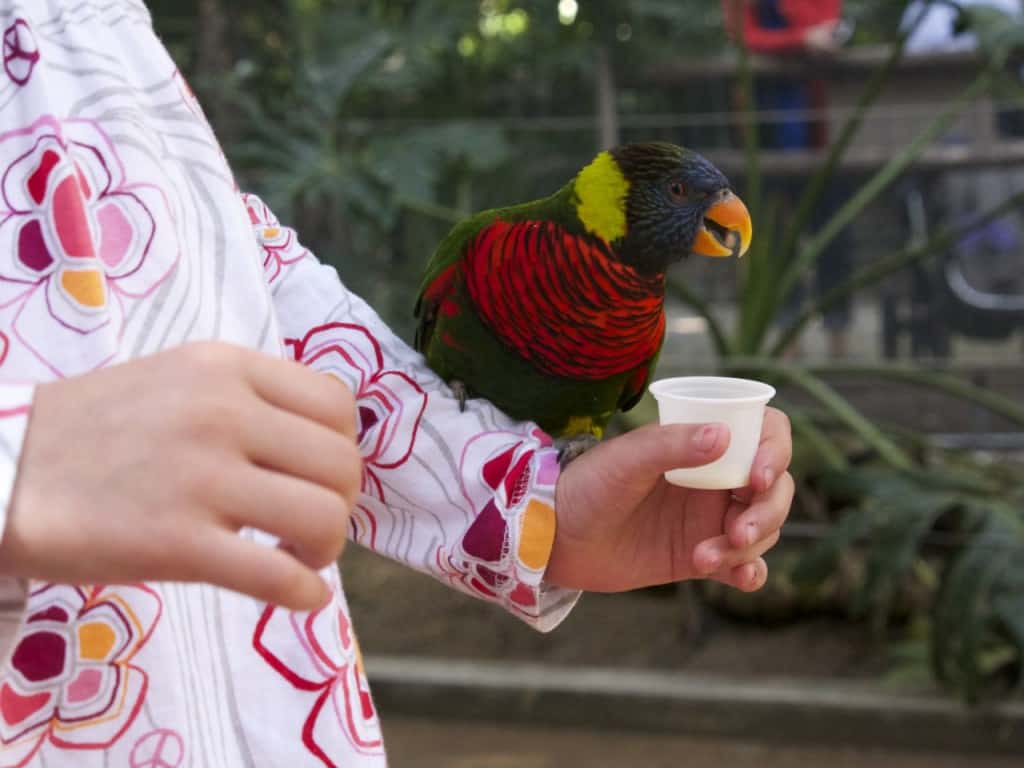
[(738, 403)]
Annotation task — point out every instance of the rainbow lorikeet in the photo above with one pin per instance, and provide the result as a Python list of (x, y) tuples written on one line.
[(554, 309)]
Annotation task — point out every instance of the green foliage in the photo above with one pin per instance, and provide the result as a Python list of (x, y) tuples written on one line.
[(908, 512), (316, 151), (949, 516), (371, 125)]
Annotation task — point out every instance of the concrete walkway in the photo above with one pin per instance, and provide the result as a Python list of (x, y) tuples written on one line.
[(414, 743), (806, 714)]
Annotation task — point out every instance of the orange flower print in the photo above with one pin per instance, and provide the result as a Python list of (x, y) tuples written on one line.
[(70, 683), (280, 245), (500, 482)]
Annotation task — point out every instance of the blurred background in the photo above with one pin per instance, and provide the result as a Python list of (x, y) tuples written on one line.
[(880, 147)]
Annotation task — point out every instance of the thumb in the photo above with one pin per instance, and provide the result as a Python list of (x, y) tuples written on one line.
[(656, 448)]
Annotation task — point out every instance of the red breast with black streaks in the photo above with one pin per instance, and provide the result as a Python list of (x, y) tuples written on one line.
[(563, 301)]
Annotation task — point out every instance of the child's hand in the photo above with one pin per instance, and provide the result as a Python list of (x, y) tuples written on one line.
[(621, 526), (147, 470)]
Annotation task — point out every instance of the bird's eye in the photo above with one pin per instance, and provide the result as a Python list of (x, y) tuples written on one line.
[(677, 191)]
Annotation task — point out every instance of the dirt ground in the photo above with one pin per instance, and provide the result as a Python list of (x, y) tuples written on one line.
[(399, 612), (432, 744)]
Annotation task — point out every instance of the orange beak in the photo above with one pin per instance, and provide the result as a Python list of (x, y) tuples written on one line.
[(726, 230)]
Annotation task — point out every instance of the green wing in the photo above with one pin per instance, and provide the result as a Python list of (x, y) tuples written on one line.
[(439, 277)]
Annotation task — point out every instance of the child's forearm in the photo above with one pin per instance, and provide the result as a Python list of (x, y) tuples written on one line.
[(465, 496)]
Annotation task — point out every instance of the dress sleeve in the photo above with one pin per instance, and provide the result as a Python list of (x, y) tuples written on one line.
[(467, 497)]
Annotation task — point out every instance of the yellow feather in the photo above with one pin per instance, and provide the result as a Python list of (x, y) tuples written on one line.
[(601, 192), (580, 425)]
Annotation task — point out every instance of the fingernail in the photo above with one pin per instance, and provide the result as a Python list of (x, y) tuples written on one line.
[(769, 477), (713, 562), (707, 437), (755, 576)]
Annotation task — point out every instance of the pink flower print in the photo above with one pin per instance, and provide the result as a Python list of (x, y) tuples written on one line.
[(318, 653), (389, 405), (21, 53), (70, 681), (78, 242), (501, 475), (280, 244)]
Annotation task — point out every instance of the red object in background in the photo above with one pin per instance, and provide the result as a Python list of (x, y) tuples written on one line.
[(777, 27), (799, 15)]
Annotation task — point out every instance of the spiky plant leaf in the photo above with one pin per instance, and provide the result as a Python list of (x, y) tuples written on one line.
[(895, 545), (964, 620), (821, 560), (999, 34)]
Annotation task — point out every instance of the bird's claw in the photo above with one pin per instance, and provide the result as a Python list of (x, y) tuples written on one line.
[(571, 448), (461, 393)]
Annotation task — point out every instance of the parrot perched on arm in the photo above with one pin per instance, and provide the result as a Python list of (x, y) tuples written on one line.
[(554, 309)]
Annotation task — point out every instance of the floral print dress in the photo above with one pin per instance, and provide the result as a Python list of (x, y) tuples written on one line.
[(122, 233)]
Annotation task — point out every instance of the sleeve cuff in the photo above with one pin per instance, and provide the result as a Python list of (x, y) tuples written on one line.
[(504, 560)]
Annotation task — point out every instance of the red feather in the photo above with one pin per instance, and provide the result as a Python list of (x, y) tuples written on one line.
[(563, 301)]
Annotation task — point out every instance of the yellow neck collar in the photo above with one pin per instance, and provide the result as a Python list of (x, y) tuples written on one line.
[(601, 192)]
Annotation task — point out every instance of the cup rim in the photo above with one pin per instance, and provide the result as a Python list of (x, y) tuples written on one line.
[(658, 390)]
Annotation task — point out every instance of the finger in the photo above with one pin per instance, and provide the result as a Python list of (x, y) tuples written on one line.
[(310, 519), (767, 513), (774, 452), (748, 577), (266, 573), (655, 448), (292, 445), (294, 387), (732, 513), (716, 554)]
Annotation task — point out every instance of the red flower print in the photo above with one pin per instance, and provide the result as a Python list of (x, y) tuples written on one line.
[(501, 473), (317, 652), (78, 242), (21, 54), (389, 404), (280, 244), (70, 681)]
